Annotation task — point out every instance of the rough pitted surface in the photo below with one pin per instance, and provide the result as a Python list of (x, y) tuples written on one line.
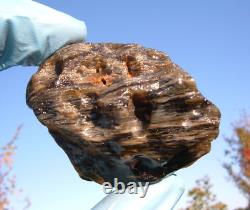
[(122, 110)]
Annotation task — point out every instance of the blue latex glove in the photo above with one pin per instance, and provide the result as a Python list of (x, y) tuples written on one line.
[(30, 32), (160, 196)]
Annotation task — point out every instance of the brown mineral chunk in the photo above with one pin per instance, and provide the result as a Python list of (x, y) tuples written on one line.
[(122, 110)]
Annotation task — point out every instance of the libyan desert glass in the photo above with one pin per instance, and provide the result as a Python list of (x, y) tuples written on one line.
[(122, 111)]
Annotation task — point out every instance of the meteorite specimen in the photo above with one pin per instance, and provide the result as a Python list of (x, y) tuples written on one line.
[(122, 111)]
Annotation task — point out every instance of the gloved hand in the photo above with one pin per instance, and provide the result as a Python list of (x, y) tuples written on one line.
[(30, 32), (160, 196)]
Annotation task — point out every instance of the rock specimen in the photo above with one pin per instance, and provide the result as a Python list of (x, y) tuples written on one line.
[(122, 111)]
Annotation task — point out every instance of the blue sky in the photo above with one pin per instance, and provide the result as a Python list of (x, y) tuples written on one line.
[(210, 39)]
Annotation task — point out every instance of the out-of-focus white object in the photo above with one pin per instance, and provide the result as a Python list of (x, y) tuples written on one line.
[(160, 196), (30, 32)]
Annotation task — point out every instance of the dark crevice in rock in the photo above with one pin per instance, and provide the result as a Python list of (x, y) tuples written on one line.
[(58, 68), (143, 107), (104, 81)]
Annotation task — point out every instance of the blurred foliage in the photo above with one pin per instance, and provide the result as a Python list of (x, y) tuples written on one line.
[(202, 197), (238, 153), (8, 188)]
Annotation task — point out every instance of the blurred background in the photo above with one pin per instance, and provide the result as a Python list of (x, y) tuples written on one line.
[(209, 39)]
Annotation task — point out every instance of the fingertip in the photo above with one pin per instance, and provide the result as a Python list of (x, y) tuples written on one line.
[(85, 31)]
